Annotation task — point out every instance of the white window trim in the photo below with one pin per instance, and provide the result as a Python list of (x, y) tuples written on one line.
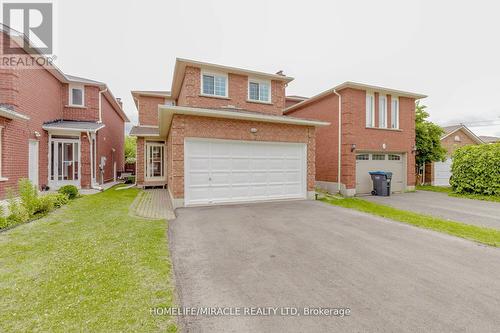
[(372, 111), (70, 91), (380, 99), (394, 120), (259, 82), (214, 74)]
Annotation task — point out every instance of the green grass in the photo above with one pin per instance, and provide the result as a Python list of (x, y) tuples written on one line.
[(479, 234), (87, 267), (448, 189)]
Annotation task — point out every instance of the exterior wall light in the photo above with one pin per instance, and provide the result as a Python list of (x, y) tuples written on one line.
[(353, 147), (253, 130)]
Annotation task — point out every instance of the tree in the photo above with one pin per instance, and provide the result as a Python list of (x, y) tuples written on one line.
[(428, 138), (130, 149)]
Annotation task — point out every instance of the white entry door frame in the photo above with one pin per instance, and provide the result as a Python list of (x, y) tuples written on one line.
[(33, 162), (64, 162), (155, 161)]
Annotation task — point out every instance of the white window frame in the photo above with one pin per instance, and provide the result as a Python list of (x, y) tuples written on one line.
[(214, 74), (370, 114), (382, 110), (394, 112), (259, 82), (80, 87)]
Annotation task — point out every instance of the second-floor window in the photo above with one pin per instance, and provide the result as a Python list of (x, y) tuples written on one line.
[(214, 84), (382, 111), (76, 95), (259, 91), (394, 112), (370, 110)]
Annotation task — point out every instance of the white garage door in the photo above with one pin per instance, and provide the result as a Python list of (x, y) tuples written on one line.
[(366, 162), (442, 173), (223, 171)]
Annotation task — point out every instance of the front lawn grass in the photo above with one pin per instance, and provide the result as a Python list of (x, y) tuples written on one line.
[(88, 267), (448, 189), (479, 234)]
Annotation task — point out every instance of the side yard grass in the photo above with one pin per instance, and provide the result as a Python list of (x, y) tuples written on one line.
[(449, 191), (88, 267), (479, 234)]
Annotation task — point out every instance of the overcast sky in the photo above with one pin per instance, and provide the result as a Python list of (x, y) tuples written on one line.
[(447, 50)]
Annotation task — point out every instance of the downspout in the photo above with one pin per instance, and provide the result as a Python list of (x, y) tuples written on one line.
[(339, 173), (92, 185), (100, 103)]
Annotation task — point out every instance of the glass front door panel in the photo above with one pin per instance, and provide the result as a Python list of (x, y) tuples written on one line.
[(154, 158), (64, 161)]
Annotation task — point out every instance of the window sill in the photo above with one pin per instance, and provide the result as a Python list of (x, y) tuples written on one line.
[(215, 96), (76, 106), (385, 129), (3, 179), (258, 102)]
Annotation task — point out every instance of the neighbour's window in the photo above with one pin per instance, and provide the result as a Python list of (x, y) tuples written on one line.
[(214, 84), (370, 110), (394, 112), (76, 95), (362, 157), (457, 138), (382, 111), (259, 91), (378, 157), (393, 157)]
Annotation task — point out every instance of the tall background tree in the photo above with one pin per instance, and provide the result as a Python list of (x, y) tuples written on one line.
[(130, 148), (428, 138)]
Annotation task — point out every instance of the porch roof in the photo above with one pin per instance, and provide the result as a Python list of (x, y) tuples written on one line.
[(73, 126), (8, 113), (145, 131)]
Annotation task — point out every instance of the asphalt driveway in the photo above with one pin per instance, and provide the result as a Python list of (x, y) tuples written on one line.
[(482, 213), (392, 276)]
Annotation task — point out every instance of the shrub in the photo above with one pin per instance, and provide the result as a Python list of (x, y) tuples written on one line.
[(70, 190), (476, 169), (28, 194), (130, 180), (45, 204), (58, 199), (17, 212)]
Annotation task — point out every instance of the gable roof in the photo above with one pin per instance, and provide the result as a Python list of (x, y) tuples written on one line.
[(449, 130), (60, 75), (181, 64), (489, 139), (354, 85)]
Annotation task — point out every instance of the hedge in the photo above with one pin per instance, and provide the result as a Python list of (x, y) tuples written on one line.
[(476, 169)]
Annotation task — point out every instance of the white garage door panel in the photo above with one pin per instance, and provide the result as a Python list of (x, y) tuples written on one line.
[(218, 171), (442, 173), (364, 182)]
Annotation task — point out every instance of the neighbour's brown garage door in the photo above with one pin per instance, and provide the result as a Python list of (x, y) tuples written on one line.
[(366, 162)]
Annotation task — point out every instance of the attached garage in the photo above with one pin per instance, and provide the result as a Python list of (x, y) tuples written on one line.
[(227, 171), (366, 162), (442, 173)]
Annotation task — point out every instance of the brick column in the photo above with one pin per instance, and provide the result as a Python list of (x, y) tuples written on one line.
[(85, 175)]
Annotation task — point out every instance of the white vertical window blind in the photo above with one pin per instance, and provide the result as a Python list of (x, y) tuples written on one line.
[(382, 111), (370, 110), (395, 112)]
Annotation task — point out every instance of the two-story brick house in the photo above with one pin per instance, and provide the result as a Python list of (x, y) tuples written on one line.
[(372, 128), (220, 136), (57, 129)]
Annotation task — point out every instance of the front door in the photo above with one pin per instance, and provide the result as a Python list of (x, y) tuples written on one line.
[(64, 162), (33, 162), (155, 161)]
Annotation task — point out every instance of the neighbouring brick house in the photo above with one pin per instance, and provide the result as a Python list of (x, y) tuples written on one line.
[(377, 132), (220, 136), (454, 137), (57, 129)]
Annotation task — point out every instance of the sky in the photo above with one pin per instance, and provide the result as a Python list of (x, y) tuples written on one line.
[(448, 50)]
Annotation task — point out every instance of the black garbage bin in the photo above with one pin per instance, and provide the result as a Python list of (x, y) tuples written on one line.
[(381, 182)]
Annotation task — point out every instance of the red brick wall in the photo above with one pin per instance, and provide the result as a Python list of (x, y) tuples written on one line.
[(139, 163), (148, 109), (237, 94), (90, 112), (202, 127), (451, 145), (354, 131), (85, 161), (111, 136)]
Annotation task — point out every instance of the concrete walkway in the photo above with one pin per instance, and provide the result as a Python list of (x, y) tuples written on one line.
[(477, 212), (153, 204)]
